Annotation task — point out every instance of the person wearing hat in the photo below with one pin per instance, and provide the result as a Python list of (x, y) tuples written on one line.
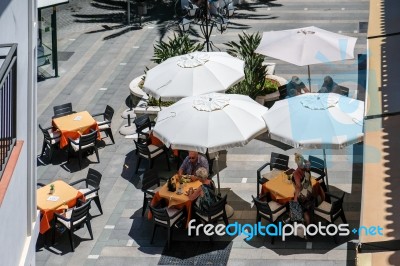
[(296, 87), (303, 187)]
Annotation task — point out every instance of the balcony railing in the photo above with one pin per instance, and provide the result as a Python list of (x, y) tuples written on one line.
[(8, 101)]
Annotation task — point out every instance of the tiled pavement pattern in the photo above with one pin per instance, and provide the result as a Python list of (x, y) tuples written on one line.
[(103, 58)]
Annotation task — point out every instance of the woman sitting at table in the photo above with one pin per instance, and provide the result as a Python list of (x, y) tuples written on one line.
[(206, 193), (303, 187)]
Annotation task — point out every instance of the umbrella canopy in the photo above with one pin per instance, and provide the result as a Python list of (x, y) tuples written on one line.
[(193, 74), (210, 122), (316, 121), (307, 46)]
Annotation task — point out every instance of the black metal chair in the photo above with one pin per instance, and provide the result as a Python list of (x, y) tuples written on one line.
[(143, 127), (63, 110), (278, 161), (318, 171), (92, 187), (150, 152), (150, 185), (341, 90), (165, 217), (72, 221), (215, 212), (85, 142), (105, 125), (51, 140), (270, 211), (331, 211)]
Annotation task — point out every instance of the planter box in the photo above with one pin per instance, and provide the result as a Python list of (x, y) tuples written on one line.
[(274, 95), (142, 109), (136, 92)]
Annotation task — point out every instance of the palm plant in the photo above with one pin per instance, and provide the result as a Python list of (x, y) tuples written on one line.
[(253, 84), (177, 45)]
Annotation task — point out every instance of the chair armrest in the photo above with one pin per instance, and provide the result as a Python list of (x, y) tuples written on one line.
[(40, 184), (331, 195), (73, 141), (91, 191), (320, 210), (77, 181), (260, 169), (280, 208), (159, 148), (97, 114), (152, 193), (62, 217), (176, 214), (47, 128), (103, 122)]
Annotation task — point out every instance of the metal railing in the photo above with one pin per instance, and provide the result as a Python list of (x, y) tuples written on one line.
[(8, 102)]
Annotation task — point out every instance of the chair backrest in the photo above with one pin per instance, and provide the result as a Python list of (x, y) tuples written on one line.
[(317, 165), (142, 122), (93, 178), (150, 179), (262, 206), (80, 214), (342, 90), (282, 92), (279, 161), (217, 207), (337, 207), (63, 109), (142, 149), (160, 216), (108, 113), (88, 139), (46, 134)]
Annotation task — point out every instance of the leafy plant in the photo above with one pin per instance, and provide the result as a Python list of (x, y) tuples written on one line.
[(177, 45), (270, 85), (253, 84), (154, 102)]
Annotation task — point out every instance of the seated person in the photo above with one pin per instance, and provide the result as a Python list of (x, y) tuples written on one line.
[(328, 85), (191, 163), (205, 195), (296, 86)]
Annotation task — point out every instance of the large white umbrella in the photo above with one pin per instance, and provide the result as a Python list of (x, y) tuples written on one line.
[(193, 74), (210, 122), (307, 46), (316, 121)]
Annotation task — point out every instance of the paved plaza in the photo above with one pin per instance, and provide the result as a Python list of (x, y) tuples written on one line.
[(100, 56)]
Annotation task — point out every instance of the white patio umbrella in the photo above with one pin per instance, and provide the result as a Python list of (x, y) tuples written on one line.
[(316, 121), (307, 46), (211, 122), (193, 74)]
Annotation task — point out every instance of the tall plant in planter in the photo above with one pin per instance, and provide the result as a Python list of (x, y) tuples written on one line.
[(177, 45), (254, 71)]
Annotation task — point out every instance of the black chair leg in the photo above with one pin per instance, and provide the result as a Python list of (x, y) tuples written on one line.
[(43, 148), (80, 159), (71, 239), (343, 217), (144, 205), (138, 164), (109, 132), (97, 154), (50, 153), (151, 163), (89, 227), (98, 204), (166, 156), (152, 235), (169, 237)]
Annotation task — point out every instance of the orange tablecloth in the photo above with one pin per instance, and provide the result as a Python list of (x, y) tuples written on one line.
[(174, 200), (67, 197), (281, 189), (73, 128)]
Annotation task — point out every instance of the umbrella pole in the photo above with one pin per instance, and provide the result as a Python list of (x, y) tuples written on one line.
[(326, 171), (309, 78), (228, 208), (217, 166)]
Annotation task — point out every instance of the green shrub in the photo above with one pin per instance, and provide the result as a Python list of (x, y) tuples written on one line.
[(177, 45), (253, 84), (154, 102)]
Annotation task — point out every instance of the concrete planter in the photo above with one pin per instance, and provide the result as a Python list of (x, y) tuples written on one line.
[(136, 92)]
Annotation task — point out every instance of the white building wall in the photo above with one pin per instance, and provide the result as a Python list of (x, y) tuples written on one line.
[(18, 227)]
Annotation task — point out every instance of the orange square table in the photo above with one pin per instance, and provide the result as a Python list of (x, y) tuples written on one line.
[(174, 200), (73, 128), (282, 189), (67, 197)]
